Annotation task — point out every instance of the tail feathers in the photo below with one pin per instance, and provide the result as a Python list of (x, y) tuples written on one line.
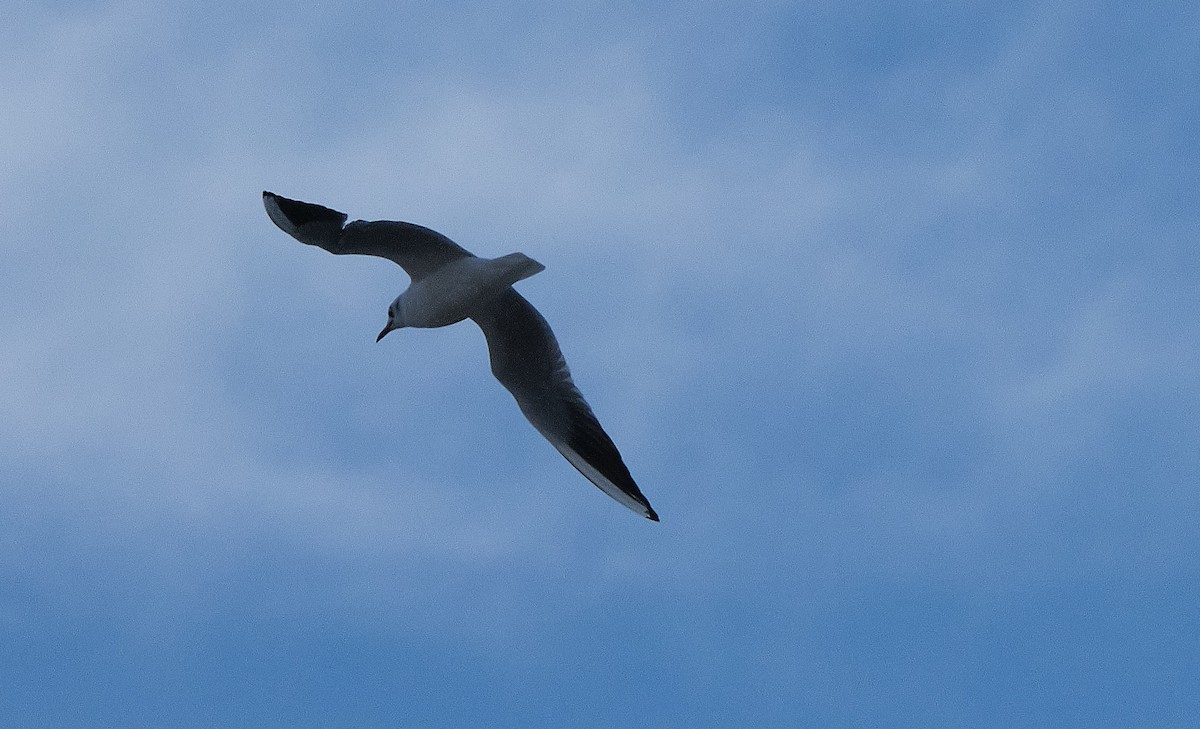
[(519, 266)]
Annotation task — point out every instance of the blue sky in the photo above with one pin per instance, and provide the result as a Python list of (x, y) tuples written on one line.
[(892, 308)]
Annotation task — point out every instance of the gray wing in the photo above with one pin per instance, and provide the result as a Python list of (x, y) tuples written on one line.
[(418, 250), (526, 359)]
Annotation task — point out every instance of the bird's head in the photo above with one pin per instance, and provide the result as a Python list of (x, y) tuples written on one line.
[(395, 319)]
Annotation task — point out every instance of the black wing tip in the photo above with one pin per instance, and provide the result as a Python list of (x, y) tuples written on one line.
[(590, 442), (301, 213)]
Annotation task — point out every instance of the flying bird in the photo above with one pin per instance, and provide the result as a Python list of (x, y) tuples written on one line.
[(449, 284)]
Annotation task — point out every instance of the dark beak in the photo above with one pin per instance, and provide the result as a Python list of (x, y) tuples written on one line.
[(386, 329)]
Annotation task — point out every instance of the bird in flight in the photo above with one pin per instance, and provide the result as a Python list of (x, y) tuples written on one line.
[(449, 284)]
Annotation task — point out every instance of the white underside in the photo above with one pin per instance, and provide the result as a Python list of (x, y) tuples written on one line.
[(452, 293)]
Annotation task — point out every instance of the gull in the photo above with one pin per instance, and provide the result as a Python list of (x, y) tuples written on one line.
[(449, 284)]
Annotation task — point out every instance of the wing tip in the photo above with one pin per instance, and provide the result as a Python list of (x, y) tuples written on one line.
[(631, 497), (306, 222)]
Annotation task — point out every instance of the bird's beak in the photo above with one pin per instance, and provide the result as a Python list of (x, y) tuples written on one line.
[(386, 329)]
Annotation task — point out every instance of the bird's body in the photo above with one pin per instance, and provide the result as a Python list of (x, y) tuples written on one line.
[(450, 284), (458, 289)]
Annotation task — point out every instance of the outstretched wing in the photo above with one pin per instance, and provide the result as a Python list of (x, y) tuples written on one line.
[(526, 359), (418, 250)]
